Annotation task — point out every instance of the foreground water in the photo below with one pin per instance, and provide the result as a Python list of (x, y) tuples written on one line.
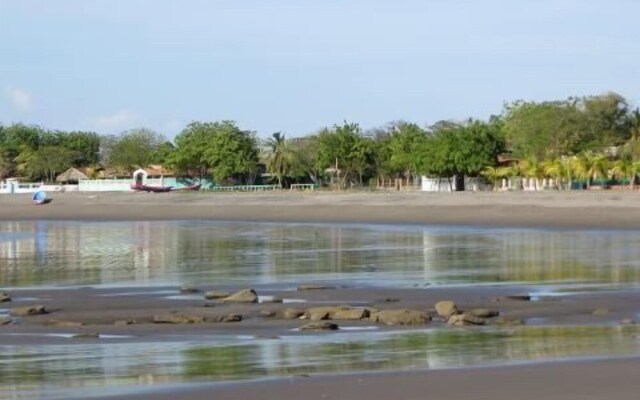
[(44, 254)]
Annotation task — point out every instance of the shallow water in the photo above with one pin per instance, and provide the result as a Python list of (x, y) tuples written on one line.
[(45, 253), (42, 253), (66, 371)]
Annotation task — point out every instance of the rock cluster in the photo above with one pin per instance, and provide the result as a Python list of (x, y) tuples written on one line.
[(449, 312), (4, 297), (26, 311)]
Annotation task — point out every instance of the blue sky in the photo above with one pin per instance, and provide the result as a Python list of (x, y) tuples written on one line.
[(299, 65)]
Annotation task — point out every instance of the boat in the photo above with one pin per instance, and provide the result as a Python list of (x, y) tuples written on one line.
[(191, 188), (149, 188), (39, 198)]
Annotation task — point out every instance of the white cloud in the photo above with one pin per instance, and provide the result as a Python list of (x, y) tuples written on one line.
[(116, 122), (20, 99)]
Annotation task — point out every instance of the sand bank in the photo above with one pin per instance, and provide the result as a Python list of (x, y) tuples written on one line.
[(545, 209)]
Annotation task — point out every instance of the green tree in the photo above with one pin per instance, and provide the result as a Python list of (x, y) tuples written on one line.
[(345, 149), (304, 158), (134, 149), (231, 152), (278, 157)]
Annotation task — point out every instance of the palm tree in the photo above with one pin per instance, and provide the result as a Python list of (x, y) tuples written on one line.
[(532, 168), (278, 158), (494, 175), (626, 168), (590, 166)]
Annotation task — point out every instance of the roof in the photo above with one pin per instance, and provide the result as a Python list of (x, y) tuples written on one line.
[(71, 174)]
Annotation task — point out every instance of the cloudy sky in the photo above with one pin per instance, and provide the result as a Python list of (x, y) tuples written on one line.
[(298, 65)]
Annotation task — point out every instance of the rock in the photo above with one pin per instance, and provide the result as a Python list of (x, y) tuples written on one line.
[(600, 311), (390, 300), (216, 294), (508, 321), (315, 287), (465, 319), (226, 318), (400, 317), (5, 321), (519, 297), (243, 296), (86, 335), (187, 289), (26, 311), (125, 322), (626, 321), (446, 309), (177, 319), (319, 313), (292, 313), (350, 313), (337, 313), (484, 313), (268, 313), (319, 326), (66, 324), (5, 298)]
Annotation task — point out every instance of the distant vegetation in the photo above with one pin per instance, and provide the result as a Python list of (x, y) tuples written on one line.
[(574, 140)]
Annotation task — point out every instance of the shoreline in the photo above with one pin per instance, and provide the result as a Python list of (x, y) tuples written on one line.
[(570, 210)]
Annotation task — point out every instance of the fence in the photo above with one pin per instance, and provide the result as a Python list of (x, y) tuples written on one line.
[(244, 188)]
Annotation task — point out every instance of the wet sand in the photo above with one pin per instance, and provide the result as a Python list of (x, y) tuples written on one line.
[(589, 380), (98, 309), (620, 210)]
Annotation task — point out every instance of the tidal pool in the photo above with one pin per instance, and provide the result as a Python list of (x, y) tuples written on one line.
[(44, 253)]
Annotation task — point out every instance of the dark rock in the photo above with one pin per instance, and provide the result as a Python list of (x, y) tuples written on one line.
[(66, 324), (319, 326), (86, 335), (243, 296), (268, 313), (508, 321), (5, 321), (125, 322), (484, 313), (627, 321), (446, 309), (465, 320), (522, 297), (400, 317), (216, 294), (26, 311), (177, 319), (5, 298), (226, 318), (292, 313), (187, 289), (315, 287)]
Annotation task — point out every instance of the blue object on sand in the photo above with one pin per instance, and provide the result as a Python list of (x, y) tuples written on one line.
[(39, 197)]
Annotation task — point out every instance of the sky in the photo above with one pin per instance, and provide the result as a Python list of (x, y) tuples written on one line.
[(296, 66)]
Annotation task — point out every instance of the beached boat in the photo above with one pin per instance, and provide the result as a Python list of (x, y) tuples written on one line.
[(149, 188), (192, 188), (40, 197)]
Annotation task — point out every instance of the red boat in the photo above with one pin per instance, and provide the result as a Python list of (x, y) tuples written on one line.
[(162, 189), (149, 188)]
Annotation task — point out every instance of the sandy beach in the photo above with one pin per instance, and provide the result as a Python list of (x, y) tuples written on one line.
[(101, 311), (620, 210)]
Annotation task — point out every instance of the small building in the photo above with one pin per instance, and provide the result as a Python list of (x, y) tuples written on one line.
[(71, 176)]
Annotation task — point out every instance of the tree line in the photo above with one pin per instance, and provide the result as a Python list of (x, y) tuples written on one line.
[(579, 139)]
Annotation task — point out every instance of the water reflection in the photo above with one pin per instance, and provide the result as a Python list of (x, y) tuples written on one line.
[(42, 370), (45, 252)]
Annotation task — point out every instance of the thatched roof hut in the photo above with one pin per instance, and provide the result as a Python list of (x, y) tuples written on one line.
[(71, 175)]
